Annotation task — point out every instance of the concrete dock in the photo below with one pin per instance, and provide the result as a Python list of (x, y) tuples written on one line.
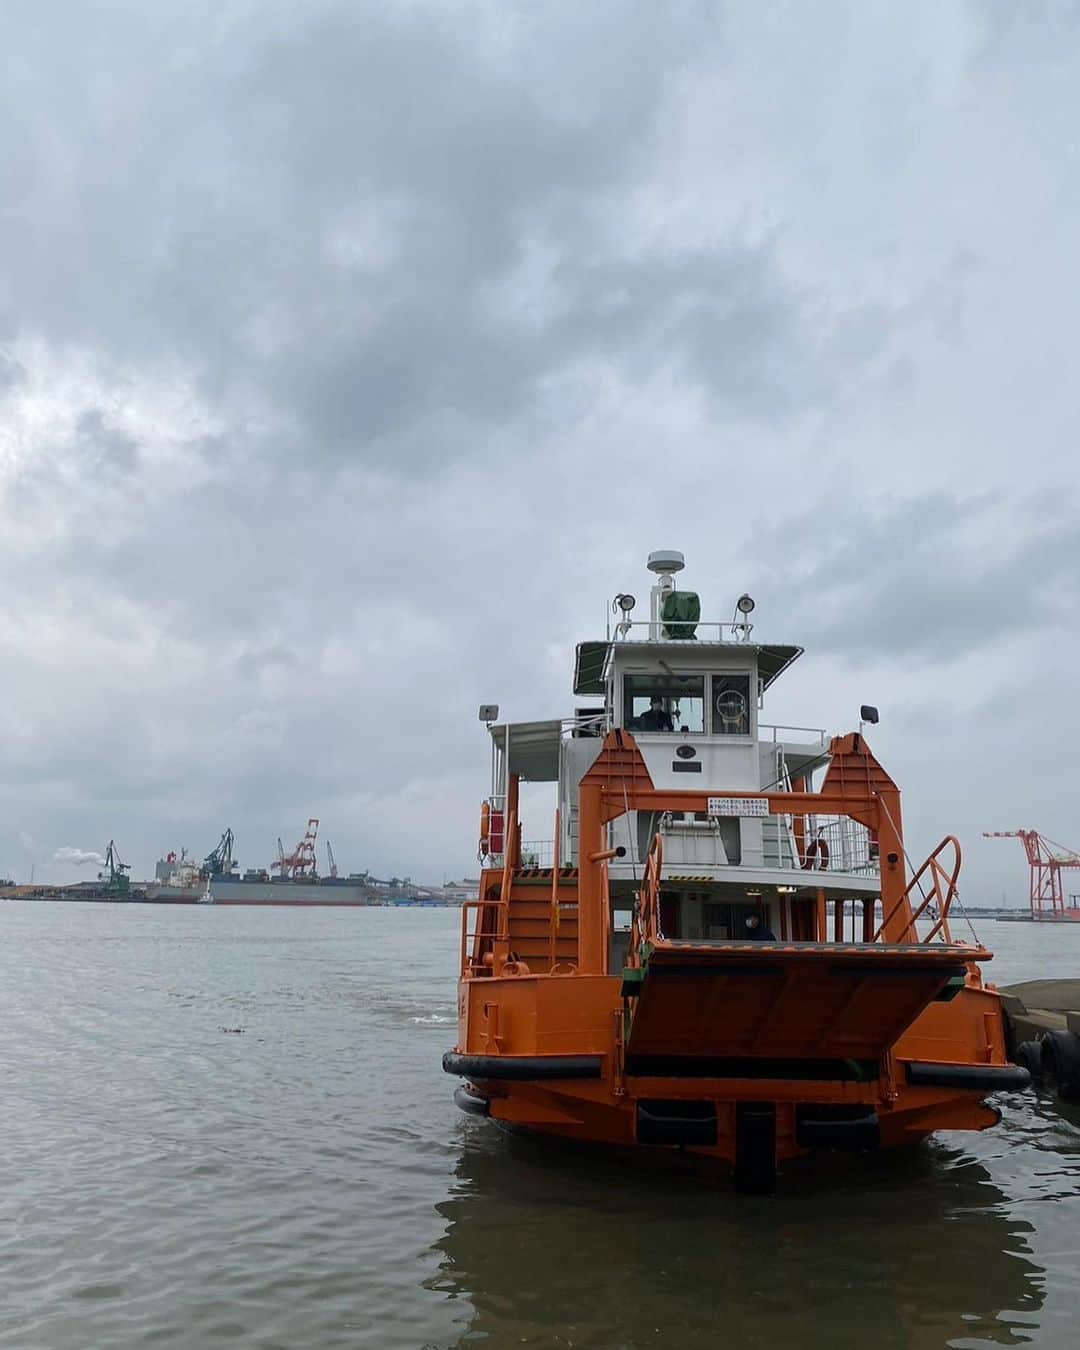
[(1042, 1021), (1038, 1006)]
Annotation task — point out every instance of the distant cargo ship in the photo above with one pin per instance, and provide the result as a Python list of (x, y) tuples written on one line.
[(257, 888), (178, 880), (166, 894), (297, 881)]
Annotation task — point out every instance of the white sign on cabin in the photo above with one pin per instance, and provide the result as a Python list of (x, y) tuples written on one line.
[(738, 806)]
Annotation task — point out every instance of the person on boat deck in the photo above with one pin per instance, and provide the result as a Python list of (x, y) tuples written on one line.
[(656, 719), (758, 930)]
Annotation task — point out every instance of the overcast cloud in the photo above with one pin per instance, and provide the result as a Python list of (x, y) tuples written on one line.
[(352, 356)]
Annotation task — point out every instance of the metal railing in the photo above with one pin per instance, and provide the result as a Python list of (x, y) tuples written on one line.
[(817, 735), (469, 956), (725, 632), (774, 732), (835, 844), (935, 885), (645, 920), (595, 723), (538, 853), (839, 844), (500, 907)]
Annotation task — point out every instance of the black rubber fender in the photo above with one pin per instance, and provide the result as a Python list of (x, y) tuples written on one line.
[(1061, 1062), (849, 1129), (755, 1148), (983, 1077), (522, 1068), (1029, 1056), (473, 1103)]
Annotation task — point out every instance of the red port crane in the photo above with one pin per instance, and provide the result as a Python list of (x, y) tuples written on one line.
[(1047, 860), (299, 865)]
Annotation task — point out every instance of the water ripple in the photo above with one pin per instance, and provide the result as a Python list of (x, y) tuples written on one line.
[(309, 1182)]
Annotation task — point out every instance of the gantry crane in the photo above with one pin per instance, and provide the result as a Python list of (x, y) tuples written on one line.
[(300, 864), (1047, 860)]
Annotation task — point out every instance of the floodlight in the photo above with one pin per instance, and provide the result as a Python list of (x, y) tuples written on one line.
[(489, 712), (744, 604), (868, 713), (625, 602)]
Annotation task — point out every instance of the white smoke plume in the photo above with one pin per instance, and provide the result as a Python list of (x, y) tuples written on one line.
[(78, 856)]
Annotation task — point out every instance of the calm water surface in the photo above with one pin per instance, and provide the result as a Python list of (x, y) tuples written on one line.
[(229, 1127)]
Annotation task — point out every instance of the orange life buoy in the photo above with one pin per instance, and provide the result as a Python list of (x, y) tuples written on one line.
[(485, 827), (817, 855)]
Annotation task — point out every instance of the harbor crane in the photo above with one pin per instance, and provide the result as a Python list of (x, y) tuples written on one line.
[(117, 882), (220, 861), (300, 864), (331, 859), (1047, 861)]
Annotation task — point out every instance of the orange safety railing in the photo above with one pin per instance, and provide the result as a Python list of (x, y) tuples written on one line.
[(942, 892), (555, 858), (472, 961), (645, 924), (511, 861), (470, 954)]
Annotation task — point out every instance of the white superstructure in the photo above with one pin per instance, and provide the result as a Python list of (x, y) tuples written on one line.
[(692, 694)]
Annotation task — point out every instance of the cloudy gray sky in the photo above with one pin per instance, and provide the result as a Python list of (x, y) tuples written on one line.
[(352, 355)]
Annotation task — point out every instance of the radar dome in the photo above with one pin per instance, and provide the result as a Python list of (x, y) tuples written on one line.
[(665, 561)]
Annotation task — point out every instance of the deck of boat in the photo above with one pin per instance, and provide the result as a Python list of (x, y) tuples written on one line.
[(946, 953)]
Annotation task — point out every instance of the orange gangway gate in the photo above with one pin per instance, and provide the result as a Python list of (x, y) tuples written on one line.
[(732, 1001)]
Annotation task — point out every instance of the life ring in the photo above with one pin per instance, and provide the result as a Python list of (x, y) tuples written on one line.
[(817, 855), (485, 827)]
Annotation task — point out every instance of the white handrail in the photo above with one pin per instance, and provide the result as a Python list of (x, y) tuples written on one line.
[(740, 632), (821, 733)]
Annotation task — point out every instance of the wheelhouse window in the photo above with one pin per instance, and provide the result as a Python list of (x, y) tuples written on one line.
[(664, 703), (730, 705)]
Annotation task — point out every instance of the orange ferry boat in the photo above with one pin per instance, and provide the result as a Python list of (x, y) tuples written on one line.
[(724, 948)]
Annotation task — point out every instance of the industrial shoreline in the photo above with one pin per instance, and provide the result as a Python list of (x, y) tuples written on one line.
[(426, 899), (293, 879)]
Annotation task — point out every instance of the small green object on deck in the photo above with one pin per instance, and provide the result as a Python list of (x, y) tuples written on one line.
[(680, 614)]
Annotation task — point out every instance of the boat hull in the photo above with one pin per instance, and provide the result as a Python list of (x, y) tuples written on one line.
[(574, 1075), (290, 893), (709, 1125), (174, 895), (291, 903)]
